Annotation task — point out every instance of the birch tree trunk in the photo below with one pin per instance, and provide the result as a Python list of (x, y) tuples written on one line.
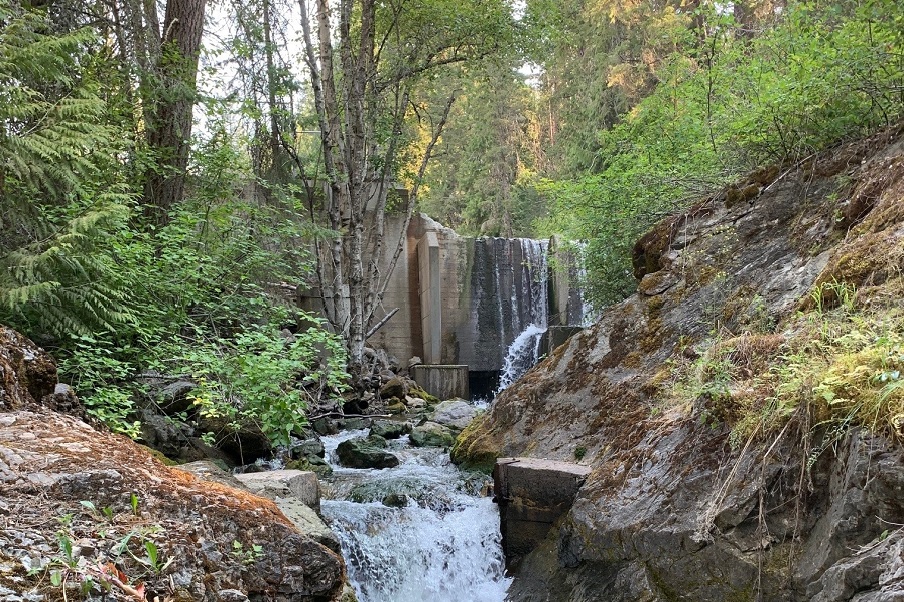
[(353, 97)]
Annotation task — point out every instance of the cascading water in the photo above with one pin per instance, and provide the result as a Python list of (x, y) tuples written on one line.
[(442, 544), (524, 351), (522, 355)]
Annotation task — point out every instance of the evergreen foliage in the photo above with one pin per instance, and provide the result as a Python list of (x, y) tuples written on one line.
[(61, 199), (84, 274)]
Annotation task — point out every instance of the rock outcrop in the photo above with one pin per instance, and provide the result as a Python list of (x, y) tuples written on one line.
[(676, 508), (82, 504)]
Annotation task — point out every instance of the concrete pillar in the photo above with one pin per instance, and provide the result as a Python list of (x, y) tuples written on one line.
[(430, 295), (532, 494), (566, 306), (444, 382)]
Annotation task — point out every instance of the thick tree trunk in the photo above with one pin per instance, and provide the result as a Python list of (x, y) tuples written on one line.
[(174, 91)]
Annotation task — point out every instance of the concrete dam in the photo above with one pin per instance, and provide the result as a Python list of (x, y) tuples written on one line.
[(464, 301)]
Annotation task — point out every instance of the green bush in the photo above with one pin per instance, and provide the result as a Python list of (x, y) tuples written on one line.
[(259, 376)]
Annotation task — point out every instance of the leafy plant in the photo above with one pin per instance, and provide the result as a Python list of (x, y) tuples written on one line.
[(246, 556), (152, 558), (721, 105), (262, 377)]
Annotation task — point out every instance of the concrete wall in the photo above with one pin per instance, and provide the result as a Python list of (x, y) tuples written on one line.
[(532, 494), (461, 300), (491, 289), (403, 335), (566, 303), (443, 381)]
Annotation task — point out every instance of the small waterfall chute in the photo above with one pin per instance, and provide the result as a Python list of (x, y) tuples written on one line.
[(522, 355)]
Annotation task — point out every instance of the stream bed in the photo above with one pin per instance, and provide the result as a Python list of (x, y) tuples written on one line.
[(423, 530)]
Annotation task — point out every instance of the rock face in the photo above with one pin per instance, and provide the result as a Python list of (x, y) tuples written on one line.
[(27, 374), (674, 509), (213, 542)]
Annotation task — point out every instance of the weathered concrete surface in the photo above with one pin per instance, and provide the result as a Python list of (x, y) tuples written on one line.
[(566, 302), (532, 494), (443, 381), (674, 509), (464, 300), (431, 297)]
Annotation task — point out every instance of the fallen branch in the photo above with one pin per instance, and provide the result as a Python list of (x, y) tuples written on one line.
[(341, 415), (380, 324)]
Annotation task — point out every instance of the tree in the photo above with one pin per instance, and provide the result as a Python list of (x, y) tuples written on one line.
[(169, 76), (477, 183), (367, 89)]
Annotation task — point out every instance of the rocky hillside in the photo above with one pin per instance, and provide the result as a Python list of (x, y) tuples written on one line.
[(743, 411), (83, 512)]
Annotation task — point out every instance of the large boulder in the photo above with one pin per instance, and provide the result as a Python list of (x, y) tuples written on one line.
[(244, 442), (168, 394), (366, 452), (454, 413), (396, 387), (273, 484), (296, 493), (27, 373), (431, 434), (214, 538)]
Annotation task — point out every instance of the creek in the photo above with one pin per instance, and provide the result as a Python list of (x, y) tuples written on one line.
[(423, 530)]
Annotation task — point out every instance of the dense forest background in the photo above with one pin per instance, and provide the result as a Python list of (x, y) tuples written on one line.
[(169, 171)]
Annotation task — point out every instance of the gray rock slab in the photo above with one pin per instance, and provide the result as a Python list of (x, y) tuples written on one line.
[(275, 484), (455, 413), (308, 522)]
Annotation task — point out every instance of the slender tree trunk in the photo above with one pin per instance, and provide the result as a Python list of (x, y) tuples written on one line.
[(359, 162), (271, 86)]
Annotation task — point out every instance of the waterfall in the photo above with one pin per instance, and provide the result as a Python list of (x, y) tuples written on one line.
[(524, 351), (442, 545), (522, 355)]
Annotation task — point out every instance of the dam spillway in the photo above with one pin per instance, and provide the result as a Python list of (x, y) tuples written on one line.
[(463, 301)]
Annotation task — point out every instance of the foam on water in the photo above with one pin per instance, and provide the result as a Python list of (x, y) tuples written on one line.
[(442, 546)]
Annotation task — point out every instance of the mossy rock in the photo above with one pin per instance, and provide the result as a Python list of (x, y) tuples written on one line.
[(366, 452), (474, 449), (417, 391), (397, 408), (390, 429), (431, 434), (306, 464), (160, 456)]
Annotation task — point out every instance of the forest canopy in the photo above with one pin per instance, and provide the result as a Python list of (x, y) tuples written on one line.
[(170, 171)]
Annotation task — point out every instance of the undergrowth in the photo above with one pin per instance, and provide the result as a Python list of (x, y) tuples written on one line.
[(843, 365)]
